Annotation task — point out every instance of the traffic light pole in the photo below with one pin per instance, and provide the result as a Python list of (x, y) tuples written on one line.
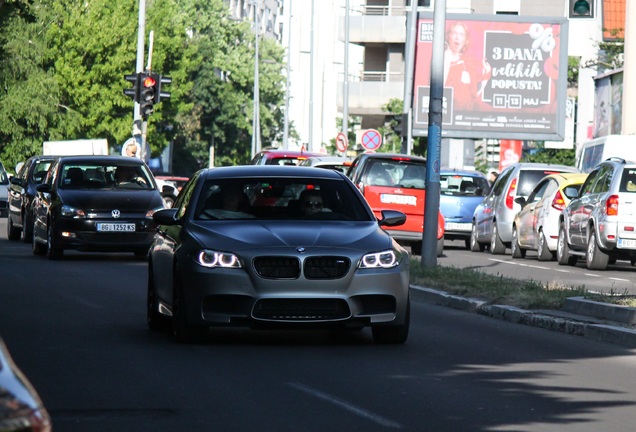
[(140, 126)]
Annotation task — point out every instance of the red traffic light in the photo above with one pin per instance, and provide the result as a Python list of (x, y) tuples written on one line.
[(149, 82)]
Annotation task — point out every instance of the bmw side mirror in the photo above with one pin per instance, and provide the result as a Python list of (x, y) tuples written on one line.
[(165, 216), (392, 218)]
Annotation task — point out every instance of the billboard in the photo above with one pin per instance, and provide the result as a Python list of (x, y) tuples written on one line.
[(505, 77)]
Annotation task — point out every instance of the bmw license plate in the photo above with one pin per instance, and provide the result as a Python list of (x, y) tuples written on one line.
[(110, 227), (626, 243)]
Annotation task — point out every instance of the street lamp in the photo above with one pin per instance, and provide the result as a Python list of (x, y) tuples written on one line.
[(256, 123)]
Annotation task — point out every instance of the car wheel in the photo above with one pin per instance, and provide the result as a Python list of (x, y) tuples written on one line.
[(181, 330), (496, 245), (440, 246), (475, 246), (595, 259), (156, 321), (13, 233), (53, 252), (27, 228), (416, 248), (544, 254), (515, 249), (37, 247), (563, 249), (393, 334)]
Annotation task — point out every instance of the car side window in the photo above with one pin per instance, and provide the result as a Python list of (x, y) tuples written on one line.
[(498, 187), (538, 192), (588, 186), (604, 180)]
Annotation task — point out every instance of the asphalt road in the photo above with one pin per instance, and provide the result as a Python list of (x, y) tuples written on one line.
[(619, 278), (77, 329)]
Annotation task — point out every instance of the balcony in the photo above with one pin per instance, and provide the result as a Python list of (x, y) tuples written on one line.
[(377, 24), (369, 92)]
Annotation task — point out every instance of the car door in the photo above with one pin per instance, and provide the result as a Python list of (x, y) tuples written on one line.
[(484, 212), (528, 215), (578, 210), (543, 208)]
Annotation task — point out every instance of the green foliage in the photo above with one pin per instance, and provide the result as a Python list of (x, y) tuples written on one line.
[(553, 156), (62, 67)]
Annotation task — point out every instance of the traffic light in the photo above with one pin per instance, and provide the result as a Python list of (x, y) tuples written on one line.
[(147, 93), (160, 81), (134, 91), (581, 8), (400, 124)]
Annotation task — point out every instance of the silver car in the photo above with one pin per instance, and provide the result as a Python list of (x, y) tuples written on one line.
[(492, 219), (600, 225), (4, 187), (276, 246)]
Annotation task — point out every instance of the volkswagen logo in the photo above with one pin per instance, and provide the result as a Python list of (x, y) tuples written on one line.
[(115, 214)]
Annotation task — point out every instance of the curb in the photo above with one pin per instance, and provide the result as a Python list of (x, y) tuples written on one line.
[(590, 326)]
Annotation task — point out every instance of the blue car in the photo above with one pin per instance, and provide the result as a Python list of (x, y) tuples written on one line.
[(460, 192)]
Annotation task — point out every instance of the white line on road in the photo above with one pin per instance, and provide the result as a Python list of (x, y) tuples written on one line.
[(347, 406), (590, 274), (519, 264)]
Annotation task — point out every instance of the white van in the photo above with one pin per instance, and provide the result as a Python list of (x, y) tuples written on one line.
[(591, 153)]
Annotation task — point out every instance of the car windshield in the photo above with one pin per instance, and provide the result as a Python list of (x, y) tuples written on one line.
[(456, 184), (628, 181), (396, 172), (280, 198), (105, 175)]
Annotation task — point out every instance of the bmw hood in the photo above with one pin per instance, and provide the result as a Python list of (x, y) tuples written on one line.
[(238, 235), (108, 200)]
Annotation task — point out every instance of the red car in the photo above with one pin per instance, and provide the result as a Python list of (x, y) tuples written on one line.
[(281, 157), (396, 182)]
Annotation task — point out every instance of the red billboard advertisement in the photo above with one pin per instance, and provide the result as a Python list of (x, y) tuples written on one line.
[(504, 77)]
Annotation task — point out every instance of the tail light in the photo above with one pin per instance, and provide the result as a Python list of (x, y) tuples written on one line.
[(611, 205), (510, 196), (558, 202)]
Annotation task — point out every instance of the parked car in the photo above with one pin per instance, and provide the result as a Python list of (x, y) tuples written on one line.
[(4, 190), (536, 226), (177, 181), (95, 204), (21, 196), (310, 255), (396, 181), (492, 219), (281, 157), (600, 224), (338, 163), (461, 191), (21, 409)]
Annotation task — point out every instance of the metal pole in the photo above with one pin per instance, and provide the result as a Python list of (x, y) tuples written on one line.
[(345, 88), (409, 67), (311, 81), (256, 130), (286, 127), (431, 210), (139, 128)]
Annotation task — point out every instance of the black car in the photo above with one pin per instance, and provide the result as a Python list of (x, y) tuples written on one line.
[(95, 204), (21, 194), (276, 246)]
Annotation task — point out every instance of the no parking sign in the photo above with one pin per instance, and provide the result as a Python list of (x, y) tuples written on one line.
[(371, 139)]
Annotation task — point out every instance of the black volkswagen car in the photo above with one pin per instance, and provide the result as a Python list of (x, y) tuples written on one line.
[(95, 204), (21, 195)]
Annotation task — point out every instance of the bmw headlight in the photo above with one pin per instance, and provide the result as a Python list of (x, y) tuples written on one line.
[(72, 212), (384, 259), (214, 259)]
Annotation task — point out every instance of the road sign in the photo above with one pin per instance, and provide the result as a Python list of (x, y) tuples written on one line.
[(342, 142), (371, 139)]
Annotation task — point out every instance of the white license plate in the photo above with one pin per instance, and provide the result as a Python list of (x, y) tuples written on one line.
[(398, 199), (626, 243), (127, 227), (454, 226)]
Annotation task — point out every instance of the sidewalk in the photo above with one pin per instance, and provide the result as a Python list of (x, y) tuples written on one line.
[(593, 320)]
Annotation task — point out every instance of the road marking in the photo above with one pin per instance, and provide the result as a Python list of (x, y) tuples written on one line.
[(590, 274), (347, 406), (619, 279), (519, 264)]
